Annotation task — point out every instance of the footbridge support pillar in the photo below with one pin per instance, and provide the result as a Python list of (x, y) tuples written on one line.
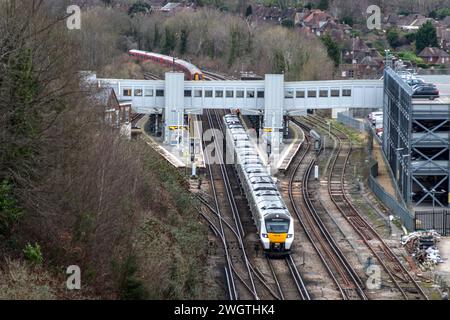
[(273, 115), (174, 108)]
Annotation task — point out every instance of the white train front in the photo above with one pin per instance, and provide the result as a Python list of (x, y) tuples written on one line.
[(272, 218)]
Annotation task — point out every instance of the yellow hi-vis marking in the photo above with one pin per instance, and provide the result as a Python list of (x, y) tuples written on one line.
[(277, 237), (177, 127), (268, 130)]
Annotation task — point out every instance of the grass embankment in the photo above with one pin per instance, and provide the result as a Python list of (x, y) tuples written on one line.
[(355, 137), (167, 248)]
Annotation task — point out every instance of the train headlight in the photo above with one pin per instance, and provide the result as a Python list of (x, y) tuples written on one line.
[(290, 235), (264, 235)]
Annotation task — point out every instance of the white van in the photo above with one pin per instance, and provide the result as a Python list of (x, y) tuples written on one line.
[(375, 117)]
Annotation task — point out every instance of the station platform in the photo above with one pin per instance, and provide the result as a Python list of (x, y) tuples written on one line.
[(287, 151), (177, 155)]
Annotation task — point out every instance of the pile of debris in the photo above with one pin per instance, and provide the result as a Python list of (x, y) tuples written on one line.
[(422, 246)]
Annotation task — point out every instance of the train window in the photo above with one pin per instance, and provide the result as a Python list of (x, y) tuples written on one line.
[(289, 94), (229, 93), (127, 92), (188, 93), (208, 93), (160, 93), (312, 93), (300, 94), (219, 93), (323, 93), (335, 92), (277, 226), (260, 94), (198, 93), (138, 92), (250, 94), (148, 92), (346, 92), (239, 93)]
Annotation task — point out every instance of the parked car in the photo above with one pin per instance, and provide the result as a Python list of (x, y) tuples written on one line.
[(426, 90), (415, 81)]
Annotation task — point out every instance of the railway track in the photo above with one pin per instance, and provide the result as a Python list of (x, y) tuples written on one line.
[(235, 252), (290, 285), (135, 117), (308, 212), (286, 276), (208, 75), (397, 272), (151, 76)]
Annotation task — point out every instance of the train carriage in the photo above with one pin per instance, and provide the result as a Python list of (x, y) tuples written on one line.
[(273, 221), (191, 71)]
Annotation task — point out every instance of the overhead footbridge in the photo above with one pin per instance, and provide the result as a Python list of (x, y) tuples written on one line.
[(272, 97)]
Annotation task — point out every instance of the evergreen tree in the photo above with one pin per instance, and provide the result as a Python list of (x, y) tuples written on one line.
[(393, 37), (233, 46), (156, 37), (139, 7), (169, 41), (183, 41), (323, 5), (332, 49), (249, 11), (426, 36), (288, 23), (279, 63)]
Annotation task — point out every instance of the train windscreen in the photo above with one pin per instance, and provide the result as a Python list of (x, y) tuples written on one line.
[(277, 226)]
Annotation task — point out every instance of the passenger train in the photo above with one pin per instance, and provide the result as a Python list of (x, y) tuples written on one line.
[(191, 71), (273, 221)]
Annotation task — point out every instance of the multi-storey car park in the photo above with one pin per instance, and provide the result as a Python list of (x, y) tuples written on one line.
[(416, 142)]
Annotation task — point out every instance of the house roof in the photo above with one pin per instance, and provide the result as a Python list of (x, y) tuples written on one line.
[(317, 19), (433, 52), (446, 35), (446, 21), (392, 18), (103, 96), (371, 61), (267, 12), (170, 6), (359, 45)]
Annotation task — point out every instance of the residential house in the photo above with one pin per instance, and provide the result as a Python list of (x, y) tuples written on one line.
[(360, 61), (443, 33), (445, 22), (396, 20), (268, 13), (157, 4), (117, 112), (414, 22), (433, 55), (170, 7), (318, 22)]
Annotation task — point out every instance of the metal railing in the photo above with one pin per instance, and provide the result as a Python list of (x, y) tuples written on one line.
[(346, 119), (390, 202), (438, 220)]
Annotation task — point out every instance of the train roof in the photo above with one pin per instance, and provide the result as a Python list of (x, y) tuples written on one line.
[(277, 214), (266, 193), (263, 179), (189, 66)]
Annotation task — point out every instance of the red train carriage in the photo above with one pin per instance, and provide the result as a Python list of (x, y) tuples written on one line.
[(191, 71)]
